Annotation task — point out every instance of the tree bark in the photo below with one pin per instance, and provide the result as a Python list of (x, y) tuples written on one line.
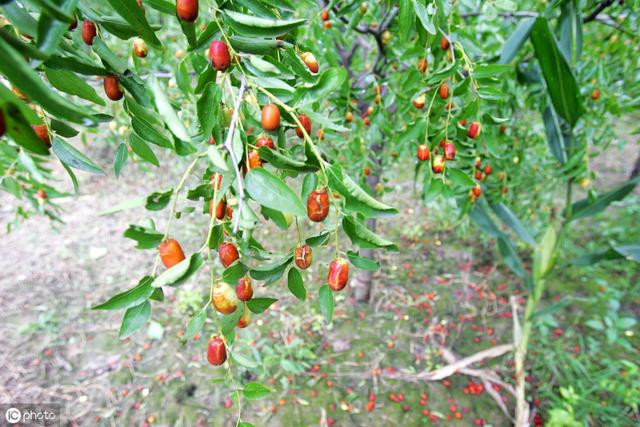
[(636, 168)]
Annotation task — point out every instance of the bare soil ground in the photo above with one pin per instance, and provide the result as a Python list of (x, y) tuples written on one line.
[(54, 348)]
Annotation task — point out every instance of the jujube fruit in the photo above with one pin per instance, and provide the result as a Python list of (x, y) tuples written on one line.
[(305, 121), (244, 289), (170, 253), (216, 351), (265, 141), (254, 159), (449, 151), (595, 95), (423, 65), (112, 88), (270, 117), (42, 132), (444, 90), (338, 274), (74, 24), (220, 209), (219, 55), (224, 299), (245, 318), (187, 10), (140, 48), (438, 164), (423, 152), (311, 62), (228, 253), (88, 32), (488, 170), (444, 43), (303, 256), (419, 102), (318, 205), (324, 15), (474, 130), (476, 191)]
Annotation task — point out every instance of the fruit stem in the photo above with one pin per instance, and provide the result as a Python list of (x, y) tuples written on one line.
[(291, 111), (172, 213)]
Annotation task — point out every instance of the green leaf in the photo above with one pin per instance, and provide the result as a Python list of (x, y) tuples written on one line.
[(511, 258), (511, 220), (256, 391), (360, 235), (147, 238), (357, 199), (544, 253), (68, 82), (459, 177), (164, 6), (217, 236), (557, 139), (19, 73), (247, 362), (259, 305), (133, 14), (423, 16), (628, 252), (74, 158), (309, 184), (296, 284), (133, 297), (485, 71), (167, 112), (588, 207), (516, 40), (196, 324), (179, 273), (262, 27), (208, 107), (318, 240), (406, 18), (325, 298), (158, 200), (74, 180), (51, 30), (270, 191), (142, 149), (362, 262), (120, 158), (134, 319), (234, 272), (561, 83), (18, 123)]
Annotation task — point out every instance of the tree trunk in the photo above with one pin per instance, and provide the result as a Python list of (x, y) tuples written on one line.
[(636, 169)]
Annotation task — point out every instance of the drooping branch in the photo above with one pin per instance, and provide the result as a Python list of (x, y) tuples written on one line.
[(602, 6), (228, 144)]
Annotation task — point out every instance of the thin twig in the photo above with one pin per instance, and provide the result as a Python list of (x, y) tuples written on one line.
[(228, 144), (593, 15)]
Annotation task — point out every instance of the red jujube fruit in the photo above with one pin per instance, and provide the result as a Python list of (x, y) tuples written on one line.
[(423, 152), (338, 274), (474, 130), (270, 117), (187, 10), (42, 132), (170, 253), (318, 205), (306, 123), (449, 151), (265, 141), (224, 299), (303, 256), (219, 55), (112, 88), (216, 351), (244, 289), (228, 253), (88, 32)]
